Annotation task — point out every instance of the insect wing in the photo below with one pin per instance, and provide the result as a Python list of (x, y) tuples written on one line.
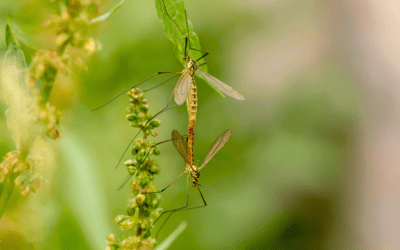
[(228, 90), (180, 145), (182, 88), (216, 147)]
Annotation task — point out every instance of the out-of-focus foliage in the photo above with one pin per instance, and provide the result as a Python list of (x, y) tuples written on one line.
[(280, 180)]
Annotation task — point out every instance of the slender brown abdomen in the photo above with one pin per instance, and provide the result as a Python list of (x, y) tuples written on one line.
[(192, 110)]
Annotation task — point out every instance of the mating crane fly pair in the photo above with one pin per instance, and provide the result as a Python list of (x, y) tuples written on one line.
[(186, 90)]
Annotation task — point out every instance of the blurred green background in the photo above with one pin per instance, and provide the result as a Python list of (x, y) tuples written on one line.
[(281, 180)]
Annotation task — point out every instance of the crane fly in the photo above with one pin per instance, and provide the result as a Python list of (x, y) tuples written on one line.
[(191, 170), (182, 88), (185, 86)]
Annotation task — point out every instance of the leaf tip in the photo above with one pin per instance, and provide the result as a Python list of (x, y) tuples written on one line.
[(10, 40)]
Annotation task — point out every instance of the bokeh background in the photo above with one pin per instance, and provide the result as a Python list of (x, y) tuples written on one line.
[(313, 159)]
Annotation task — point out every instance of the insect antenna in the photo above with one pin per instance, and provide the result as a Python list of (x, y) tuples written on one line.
[(187, 30), (183, 34)]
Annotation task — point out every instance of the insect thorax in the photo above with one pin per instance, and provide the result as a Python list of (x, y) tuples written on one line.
[(193, 171), (191, 66)]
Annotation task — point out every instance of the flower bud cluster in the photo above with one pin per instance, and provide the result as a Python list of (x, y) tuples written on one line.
[(72, 25), (128, 242), (137, 113), (142, 208), (20, 171)]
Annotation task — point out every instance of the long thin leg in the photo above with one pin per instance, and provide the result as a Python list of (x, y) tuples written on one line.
[(198, 65), (187, 203), (141, 165), (130, 143), (181, 208), (205, 53), (144, 91), (148, 78), (130, 176), (166, 186)]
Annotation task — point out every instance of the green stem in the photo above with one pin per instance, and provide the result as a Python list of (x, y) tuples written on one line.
[(48, 79), (5, 195), (24, 152)]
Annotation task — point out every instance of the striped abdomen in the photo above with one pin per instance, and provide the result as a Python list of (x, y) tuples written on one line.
[(192, 110)]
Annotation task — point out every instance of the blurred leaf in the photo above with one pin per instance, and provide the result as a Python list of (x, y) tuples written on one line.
[(172, 237), (10, 39), (83, 189), (176, 33), (20, 35), (106, 16), (21, 113)]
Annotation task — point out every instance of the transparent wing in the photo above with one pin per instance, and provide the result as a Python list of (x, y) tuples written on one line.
[(182, 88), (216, 147), (228, 90), (180, 145)]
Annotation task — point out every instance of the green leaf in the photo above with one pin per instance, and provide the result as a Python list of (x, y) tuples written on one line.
[(176, 10), (106, 16), (172, 237), (20, 35), (83, 189), (10, 38)]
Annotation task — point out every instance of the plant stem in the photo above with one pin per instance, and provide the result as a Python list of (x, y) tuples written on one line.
[(47, 84), (5, 195)]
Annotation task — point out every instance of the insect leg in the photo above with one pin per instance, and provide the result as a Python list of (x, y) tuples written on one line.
[(160, 112), (141, 164), (166, 186), (198, 65), (148, 78), (205, 53), (172, 211)]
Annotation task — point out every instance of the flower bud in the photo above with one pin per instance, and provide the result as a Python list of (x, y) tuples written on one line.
[(61, 39), (153, 169), (129, 162), (144, 108), (131, 170), (140, 199), (111, 239), (156, 151), (131, 117), (155, 123)]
